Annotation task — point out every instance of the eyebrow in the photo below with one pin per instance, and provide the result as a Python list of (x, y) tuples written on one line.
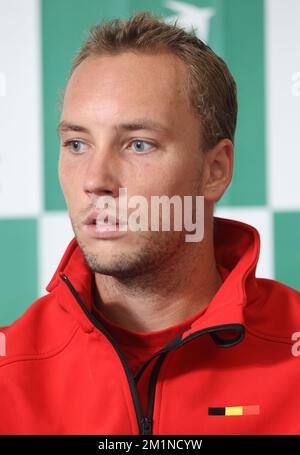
[(64, 126), (138, 124)]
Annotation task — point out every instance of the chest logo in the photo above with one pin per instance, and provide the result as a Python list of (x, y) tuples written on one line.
[(234, 411)]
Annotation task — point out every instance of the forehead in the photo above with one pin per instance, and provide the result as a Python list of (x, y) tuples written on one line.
[(129, 83)]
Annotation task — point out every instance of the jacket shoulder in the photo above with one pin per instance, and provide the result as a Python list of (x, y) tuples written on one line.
[(43, 329), (275, 314)]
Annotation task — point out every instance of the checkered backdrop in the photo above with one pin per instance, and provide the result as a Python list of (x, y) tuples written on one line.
[(38, 38)]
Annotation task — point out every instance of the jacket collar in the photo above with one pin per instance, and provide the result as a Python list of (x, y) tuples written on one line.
[(237, 247)]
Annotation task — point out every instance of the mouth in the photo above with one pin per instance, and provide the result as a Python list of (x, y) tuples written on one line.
[(103, 223), (95, 218), (103, 226)]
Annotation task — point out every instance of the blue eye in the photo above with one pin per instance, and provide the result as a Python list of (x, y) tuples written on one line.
[(74, 145), (140, 146)]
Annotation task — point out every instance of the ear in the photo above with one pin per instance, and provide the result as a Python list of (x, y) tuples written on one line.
[(218, 170)]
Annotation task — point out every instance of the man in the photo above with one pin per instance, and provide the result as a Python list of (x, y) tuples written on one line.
[(143, 332)]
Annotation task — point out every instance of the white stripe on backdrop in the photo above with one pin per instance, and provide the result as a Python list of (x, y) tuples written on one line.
[(282, 69), (20, 109)]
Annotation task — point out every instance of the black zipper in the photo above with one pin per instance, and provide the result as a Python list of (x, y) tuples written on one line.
[(174, 344), (148, 420), (96, 322), (145, 423)]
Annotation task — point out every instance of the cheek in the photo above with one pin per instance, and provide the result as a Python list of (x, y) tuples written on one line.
[(178, 174), (64, 177), (175, 180), (69, 170), (68, 179)]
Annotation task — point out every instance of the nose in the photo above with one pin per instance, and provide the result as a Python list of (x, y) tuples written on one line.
[(102, 171)]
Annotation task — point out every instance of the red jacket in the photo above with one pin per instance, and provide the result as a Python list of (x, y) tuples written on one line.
[(231, 372)]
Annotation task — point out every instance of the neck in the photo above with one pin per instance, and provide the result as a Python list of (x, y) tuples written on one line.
[(161, 299)]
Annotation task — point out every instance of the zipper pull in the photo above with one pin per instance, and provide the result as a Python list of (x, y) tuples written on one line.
[(146, 423)]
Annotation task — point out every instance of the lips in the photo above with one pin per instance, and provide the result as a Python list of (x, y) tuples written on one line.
[(103, 225), (101, 218)]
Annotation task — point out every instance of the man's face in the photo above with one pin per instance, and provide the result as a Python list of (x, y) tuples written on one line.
[(107, 96)]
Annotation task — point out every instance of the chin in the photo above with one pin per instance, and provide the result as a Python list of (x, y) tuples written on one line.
[(104, 261), (98, 266)]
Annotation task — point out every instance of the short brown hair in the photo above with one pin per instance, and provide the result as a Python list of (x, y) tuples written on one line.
[(211, 87)]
